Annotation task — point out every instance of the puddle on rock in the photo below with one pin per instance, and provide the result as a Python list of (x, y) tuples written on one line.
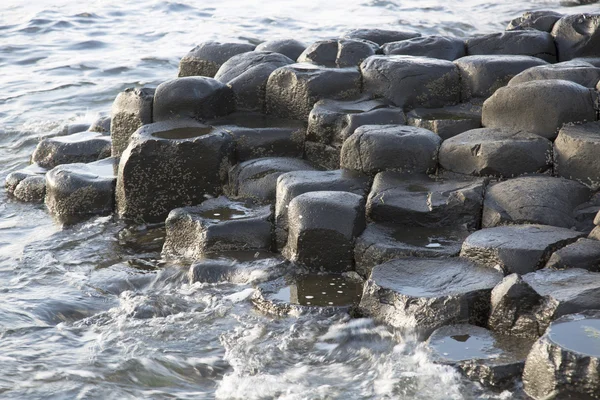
[(183, 133), (320, 291), (226, 213), (581, 336), (430, 238)]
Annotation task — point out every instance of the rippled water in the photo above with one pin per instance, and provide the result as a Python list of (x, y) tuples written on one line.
[(91, 311)]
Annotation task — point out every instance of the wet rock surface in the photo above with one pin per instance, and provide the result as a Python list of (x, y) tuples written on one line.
[(380, 36), (374, 148), (584, 254), (338, 52), (577, 36), (491, 359), (564, 363), (539, 20), (32, 189), (498, 152), (130, 110), (291, 48), (426, 294), (519, 42), (580, 72), (206, 58), (516, 248), (440, 47), (412, 200), (575, 150), (239, 267), (13, 179), (534, 199), (217, 225), (81, 147)]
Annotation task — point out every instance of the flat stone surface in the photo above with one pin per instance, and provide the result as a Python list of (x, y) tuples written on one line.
[(446, 122), (339, 53), (575, 153), (577, 36), (498, 152), (381, 36), (521, 43), (81, 147), (381, 242), (534, 199), (425, 294), (206, 58), (580, 72), (434, 46), (565, 362), (131, 109), (413, 200), (584, 254), (490, 359), (516, 248)]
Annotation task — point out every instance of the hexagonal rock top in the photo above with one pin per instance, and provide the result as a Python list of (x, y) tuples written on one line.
[(80, 147), (580, 72), (577, 36), (206, 58), (565, 362), (576, 153), (522, 42), (517, 248), (533, 199), (425, 293)]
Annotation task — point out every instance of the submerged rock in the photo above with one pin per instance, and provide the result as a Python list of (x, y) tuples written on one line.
[(517, 248), (380, 36), (565, 362), (206, 58), (81, 147), (240, 267), (425, 294), (575, 153), (483, 356), (130, 110)]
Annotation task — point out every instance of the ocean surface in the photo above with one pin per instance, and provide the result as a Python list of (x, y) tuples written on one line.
[(91, 311)]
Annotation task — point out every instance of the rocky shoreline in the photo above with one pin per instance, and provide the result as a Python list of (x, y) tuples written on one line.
[(442, 185)]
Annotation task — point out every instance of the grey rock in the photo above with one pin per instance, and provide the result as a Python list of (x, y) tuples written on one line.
[(71, 128), (380, 36), (374, 148), (192, 97), (533, 199), (412, 200), (292, 184), (338, 52), (575, 153), (595, 61), (541, 107), (577, 35), (491, 359), (257, 179), (584, 254), (130, 110), (565, 363), (81, 147), (412, 82), (517, 248), (171, 164), (217, 225), (498, 152), (13, 179), (580, 72), (288, 47), (482, 75), (247, 75), (293, 90), (240, 267), (520, 43), (542, 20), (77, 191), (427, 293), (446, 122), (101, 125), (323, 156), (322, 228), (381, 242), (206, 58), (32, 189), (442, 47)]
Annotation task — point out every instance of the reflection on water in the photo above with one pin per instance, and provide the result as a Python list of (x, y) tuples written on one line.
[(320, 291)]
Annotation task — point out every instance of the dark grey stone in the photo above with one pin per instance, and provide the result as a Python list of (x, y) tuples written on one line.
[(288, 47), (446, 122), (81, 147), (442, 47), (584, 254), (426, 293), (206, 58), (482, 75), (257, 179), (13, 179), (412, 82), (374, 148), (130, 110), (247, 75), (580, 72), (413, 200), (516, 248), (322, 227), (486, 357), (533, 199), (576, 153), (77, 191), (565, 362), (338, 52), (293, 90), (577, 35), (542, 20), (32, 189), (101, 125), (498, 152), (519, 43), (381, 242), (541, 107), (195, 97), (217, 225), (380, 36), (171, 164)]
